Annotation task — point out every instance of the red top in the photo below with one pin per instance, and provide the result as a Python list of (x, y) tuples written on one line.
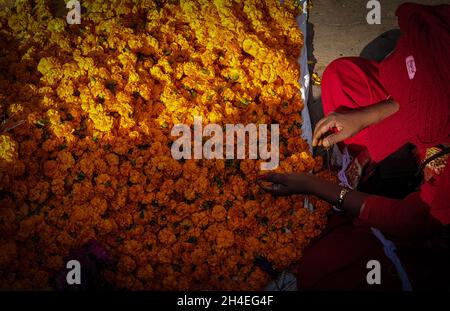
[(417, 76)]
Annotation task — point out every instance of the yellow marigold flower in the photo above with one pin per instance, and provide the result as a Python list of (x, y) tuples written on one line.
[(8, 148), (60, 129), (56, 25), (133, 77), (29, 54), (15, 108), (251, 46), (50, 68), (102, 122)]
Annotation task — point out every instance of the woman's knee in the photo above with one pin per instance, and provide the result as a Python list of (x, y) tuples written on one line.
[(333, 83), (334, 71)]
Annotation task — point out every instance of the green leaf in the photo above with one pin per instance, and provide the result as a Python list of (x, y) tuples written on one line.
[(192, 240), (245, 102), (42, 122), (81, 176), (35, 238), (218, 181), (207, 205), (111, 85), (143, 147), (101, 99), (228, 204), (264, 221)]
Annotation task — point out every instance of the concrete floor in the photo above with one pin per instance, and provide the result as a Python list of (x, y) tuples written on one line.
[(339, 28)]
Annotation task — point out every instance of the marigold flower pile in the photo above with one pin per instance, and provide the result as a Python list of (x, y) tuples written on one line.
[(85, 141)]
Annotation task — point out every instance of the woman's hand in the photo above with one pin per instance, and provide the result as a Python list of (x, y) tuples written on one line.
[(348, 124), (341, 126), (285, 184), (305, 183)]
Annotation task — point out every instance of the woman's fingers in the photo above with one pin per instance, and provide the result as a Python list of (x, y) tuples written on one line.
[(322, 128), (333, 139), (273, 188), (315, 137), (277, 183), (272, 177)]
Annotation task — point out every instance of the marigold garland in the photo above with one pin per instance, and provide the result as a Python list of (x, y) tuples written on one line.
[(92, 161)]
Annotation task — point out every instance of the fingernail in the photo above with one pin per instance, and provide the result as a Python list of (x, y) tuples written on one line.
[(264, 176)]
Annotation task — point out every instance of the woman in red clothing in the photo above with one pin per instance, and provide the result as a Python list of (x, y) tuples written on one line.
[(380, 107)]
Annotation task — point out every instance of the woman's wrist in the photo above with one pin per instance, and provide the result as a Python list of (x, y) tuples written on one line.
[(310, 182), (351, 200)]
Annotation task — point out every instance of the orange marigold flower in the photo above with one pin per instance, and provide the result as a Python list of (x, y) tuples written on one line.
[(145, 273), (219, 213), (225, 238), (39, 192), (166, 236), (126, 264)]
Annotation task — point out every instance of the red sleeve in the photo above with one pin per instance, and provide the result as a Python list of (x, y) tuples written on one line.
[(407, 217)]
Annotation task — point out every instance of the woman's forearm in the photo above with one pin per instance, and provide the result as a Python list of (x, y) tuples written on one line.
[(338, 126), (375, 113), (328, 191)]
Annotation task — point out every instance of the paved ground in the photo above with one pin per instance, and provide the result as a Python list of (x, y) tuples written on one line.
[(339, 28)]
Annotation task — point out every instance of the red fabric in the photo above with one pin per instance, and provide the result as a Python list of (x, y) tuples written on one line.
[(425, 97), (409, 217), (419, 212), (336, 261), (352, 83), (423, 117)]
